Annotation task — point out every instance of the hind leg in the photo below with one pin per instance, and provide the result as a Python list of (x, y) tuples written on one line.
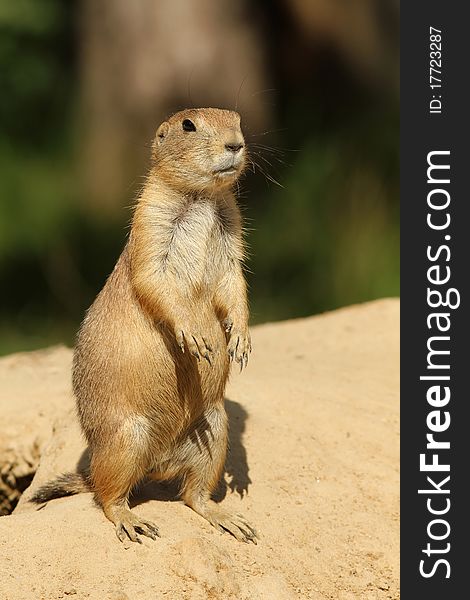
[(203, 455), (115, 469)]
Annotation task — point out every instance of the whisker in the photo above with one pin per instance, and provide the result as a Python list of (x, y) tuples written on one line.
[(270, 149), (239, 91), (276, 158), (264, 91), (189, 86), (268, 131), (266, 175), (260, 156)]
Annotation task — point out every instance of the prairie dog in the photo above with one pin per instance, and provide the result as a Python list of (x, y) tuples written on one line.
[(153, 353)]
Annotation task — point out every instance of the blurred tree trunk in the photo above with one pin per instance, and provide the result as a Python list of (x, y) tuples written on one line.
[(365, 33), (143, 59)]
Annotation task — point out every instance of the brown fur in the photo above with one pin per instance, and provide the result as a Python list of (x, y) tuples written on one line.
[(153, 352)]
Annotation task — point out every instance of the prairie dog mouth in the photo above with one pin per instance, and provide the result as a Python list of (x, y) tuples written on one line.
[(226, 170)]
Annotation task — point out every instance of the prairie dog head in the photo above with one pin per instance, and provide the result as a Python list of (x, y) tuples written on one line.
[(200, 150)]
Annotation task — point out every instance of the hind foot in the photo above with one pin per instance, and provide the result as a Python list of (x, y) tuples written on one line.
[(222, 520), (129, 526)]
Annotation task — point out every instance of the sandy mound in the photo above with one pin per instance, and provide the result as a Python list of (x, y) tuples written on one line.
[(314, 442), (34, 391)]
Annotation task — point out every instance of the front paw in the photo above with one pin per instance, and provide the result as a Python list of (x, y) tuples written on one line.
[(239, 344), (197, 344)]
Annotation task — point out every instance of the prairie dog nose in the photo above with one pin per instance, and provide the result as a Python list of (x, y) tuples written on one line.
[(233, 146)]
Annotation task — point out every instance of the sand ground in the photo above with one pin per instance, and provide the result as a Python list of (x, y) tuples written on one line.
[(314, 464)]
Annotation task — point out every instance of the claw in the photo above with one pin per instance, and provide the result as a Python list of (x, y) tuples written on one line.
[(131, 534), (251, 531), (237, 527), (207, 345), (207, 357), (121, 533), (148, 531), (131, 527)]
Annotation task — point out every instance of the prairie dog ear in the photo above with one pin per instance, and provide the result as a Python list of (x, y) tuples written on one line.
[(159, 137), (161, 133)]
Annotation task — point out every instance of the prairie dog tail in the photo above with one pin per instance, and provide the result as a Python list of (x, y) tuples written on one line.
[(65, 485)]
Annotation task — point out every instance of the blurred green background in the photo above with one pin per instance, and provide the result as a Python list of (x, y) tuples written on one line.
[(84, 85)]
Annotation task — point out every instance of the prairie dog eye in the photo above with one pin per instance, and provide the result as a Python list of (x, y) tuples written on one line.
[(188, 125)]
